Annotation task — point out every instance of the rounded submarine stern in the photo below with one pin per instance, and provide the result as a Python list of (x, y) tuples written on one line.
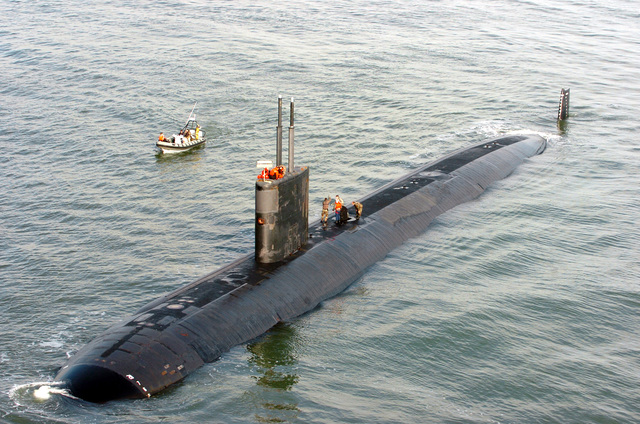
[(97, 384)]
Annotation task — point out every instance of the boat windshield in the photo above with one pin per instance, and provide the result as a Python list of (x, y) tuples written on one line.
[(194, 128)]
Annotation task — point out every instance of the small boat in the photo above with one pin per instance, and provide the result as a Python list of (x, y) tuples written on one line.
[(190, 136)]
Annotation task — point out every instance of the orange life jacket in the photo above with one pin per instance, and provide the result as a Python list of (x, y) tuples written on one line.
[(276, 173), (161, 138), (264, 175)]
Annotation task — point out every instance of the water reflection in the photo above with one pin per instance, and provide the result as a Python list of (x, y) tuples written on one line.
[(192, 155), (274, 356), (563, 126)]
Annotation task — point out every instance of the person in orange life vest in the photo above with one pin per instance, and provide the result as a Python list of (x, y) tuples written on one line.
[(161, 137), (277, 172), (264, 175), (338, 206)]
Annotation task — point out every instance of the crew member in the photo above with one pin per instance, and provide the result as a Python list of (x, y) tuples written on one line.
[(325, 210), (338, 206), (277, 172), (344, 215), (197, 132), (161, 137), (358, 207), (264, 175)]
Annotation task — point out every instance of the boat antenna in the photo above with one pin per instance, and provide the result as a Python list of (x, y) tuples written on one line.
[(191, 113)]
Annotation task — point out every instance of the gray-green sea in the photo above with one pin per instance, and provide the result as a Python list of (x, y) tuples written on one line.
[(522, 306)]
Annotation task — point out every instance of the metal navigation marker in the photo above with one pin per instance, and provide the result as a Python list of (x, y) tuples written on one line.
[(563, 107)]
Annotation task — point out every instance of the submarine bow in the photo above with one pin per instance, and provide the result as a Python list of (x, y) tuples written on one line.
[(171, 337)]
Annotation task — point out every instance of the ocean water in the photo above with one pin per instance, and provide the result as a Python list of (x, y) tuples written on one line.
[(521, 306)]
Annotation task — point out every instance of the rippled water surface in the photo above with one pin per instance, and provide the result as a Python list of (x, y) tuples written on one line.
[(521, 306)]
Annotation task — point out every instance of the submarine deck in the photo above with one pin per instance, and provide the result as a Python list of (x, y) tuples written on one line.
[(174, 306), (170, 337)]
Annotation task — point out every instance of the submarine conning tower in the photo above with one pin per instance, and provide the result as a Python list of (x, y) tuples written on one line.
[(282, 203)]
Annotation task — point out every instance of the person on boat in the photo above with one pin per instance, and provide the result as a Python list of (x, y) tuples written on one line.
[(338, 207), (197, 132), (161, 137), (358, 207)]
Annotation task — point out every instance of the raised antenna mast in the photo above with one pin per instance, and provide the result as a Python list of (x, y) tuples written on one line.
[(191, 113)]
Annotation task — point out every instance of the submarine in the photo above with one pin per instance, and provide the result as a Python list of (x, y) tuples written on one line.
[(295, 266)]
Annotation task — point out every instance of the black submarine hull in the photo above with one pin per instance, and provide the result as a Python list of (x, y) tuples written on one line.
[(171, 337)]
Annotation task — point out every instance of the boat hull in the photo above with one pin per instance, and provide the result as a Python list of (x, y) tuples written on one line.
[(168, 147)]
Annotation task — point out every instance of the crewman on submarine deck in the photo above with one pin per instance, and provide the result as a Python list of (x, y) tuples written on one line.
[(338, 207), (358, 207), (344, 215), (325, 211)]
